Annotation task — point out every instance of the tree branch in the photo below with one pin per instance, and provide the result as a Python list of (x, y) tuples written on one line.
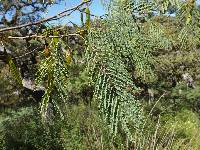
[(42, 36), (57, 16), (35, 49)]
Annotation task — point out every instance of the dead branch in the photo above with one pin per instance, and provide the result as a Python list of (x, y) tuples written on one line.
[(42, 36)]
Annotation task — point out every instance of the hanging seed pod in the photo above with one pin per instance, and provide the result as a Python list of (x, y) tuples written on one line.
[(46, 51), (82, 22), (87, 23), (68, 57)]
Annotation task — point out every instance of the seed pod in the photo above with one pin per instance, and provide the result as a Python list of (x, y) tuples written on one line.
[(87, 23), (82, 22), (46, 52), (68, 57)]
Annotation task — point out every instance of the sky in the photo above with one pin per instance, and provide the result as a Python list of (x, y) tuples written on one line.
[(96, 8)]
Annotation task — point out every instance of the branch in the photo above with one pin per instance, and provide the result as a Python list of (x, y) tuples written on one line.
[(90, 14), (42, 36), (35, 49), (59, 15)]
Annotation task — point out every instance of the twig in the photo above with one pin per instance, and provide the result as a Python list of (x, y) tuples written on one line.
[(35, 49), (42, 36), (156, 103), (155, 134), (91, 14), (37, 36), (59, 15), (150, 113)]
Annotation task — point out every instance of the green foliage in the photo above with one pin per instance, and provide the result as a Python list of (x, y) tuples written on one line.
[(8, 93), (134, 49), (14, 70), (185, 126), (83, 129), (117, 52), (54, 69), (23, 129), (87, 131)]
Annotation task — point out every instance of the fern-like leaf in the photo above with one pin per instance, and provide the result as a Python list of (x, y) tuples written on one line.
[(14, 70), (116, 52)]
